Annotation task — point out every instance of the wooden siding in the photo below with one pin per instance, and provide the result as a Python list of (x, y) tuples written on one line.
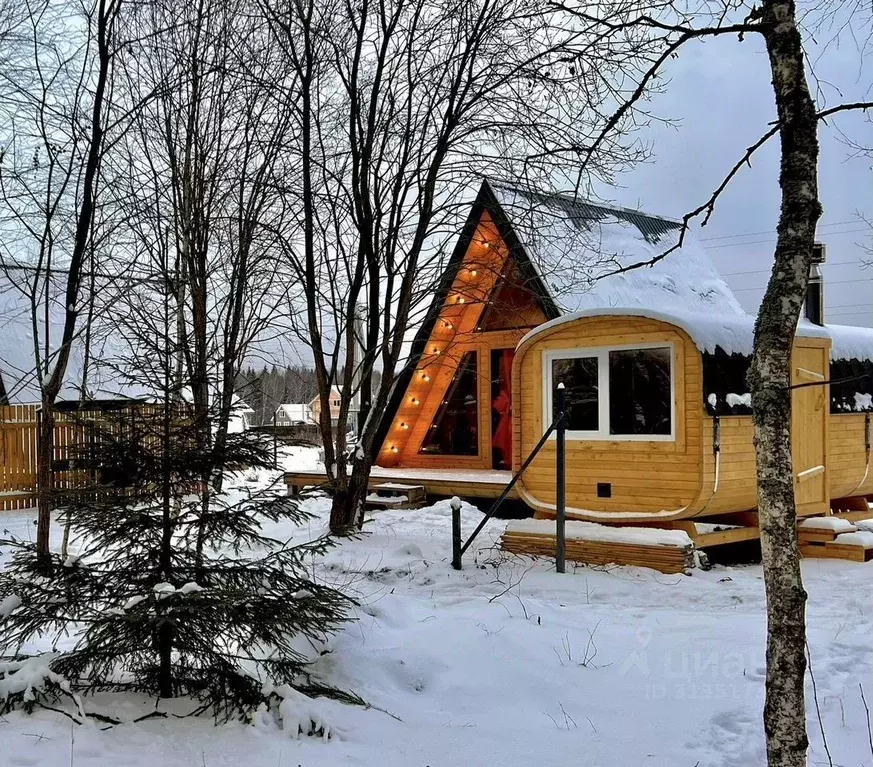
[(454, 334), (737, 484), (646, 476), (848, 459), (652, 479)]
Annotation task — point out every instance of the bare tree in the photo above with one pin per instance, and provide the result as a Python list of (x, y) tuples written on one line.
[(400, 107), (55, 127), (674, 24), (204, 164)]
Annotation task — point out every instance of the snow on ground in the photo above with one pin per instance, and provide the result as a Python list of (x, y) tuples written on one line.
[(509, 663)]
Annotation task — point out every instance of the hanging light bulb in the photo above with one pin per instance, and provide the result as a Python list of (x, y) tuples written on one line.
[(394, 448), (460, 299), (425, 377), (404, 426), (448, 324), (474, 272), (414, 401)]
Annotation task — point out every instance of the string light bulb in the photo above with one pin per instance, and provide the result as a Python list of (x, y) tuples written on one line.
[(394, 448), (414, 401), (460, 299), (448, 324), (404, 426), (425, 377), (474, 272), (435, 350)]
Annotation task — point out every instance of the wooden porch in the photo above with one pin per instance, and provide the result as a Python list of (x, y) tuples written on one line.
[(465, 483)]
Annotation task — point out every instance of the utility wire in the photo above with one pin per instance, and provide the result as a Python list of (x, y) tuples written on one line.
[(769, 231), (772, 239), (854, 262), (832, 282)]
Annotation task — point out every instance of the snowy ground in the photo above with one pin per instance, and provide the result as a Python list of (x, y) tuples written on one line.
[(508, 663)]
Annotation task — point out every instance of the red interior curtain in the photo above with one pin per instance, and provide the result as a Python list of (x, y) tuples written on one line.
[(502, 404)]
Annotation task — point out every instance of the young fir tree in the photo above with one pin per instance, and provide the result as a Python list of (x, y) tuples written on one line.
[(166, 596), (146, 612)]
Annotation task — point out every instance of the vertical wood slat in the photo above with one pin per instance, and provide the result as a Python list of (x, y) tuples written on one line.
[(18, 450)]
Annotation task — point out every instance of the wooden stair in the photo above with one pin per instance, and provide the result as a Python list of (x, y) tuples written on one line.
[(392, 495), (836, 537)]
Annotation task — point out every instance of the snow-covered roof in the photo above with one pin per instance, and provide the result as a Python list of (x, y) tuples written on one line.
[(850, 343), (577, 247), (732, 334), (295, 411)]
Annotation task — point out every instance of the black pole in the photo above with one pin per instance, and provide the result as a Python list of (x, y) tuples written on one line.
[(456, 532), (561, 489)]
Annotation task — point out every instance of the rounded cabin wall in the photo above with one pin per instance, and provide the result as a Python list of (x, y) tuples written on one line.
[(646, 478), (850, 471)]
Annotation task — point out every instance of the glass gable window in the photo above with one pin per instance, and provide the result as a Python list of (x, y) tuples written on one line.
[(455, 428), (620, 393)]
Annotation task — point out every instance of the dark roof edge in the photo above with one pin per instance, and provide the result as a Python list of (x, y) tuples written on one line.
[(575, 199)]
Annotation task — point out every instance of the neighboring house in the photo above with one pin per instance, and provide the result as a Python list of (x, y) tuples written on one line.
[(293, 414), (240, 416), (335, 395)]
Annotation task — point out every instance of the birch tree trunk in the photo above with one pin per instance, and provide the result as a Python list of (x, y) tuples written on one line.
[(769, 380)]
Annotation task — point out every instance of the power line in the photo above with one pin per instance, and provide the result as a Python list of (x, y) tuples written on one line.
[(854, 262), (768, 231), (771, 239), (832, 282), (868, 304)]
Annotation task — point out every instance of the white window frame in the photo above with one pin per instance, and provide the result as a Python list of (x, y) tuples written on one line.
[(601, 353)]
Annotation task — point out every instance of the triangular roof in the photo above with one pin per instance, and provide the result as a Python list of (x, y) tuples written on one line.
[(578, 248), (567, 251)]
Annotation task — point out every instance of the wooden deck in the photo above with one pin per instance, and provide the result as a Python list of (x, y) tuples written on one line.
[(465, 483)]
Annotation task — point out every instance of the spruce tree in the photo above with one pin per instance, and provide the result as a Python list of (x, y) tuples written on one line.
[(146, 606)]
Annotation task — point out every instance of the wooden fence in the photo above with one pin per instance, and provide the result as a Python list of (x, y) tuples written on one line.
[(18, 451), (18, 438)]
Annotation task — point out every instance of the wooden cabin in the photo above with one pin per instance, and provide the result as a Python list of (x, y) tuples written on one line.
[(539, 292)]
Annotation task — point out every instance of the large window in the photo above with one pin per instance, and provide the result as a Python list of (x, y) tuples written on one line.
[(455, 428), (622, 393)]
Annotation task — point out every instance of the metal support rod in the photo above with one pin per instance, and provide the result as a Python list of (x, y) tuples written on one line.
[(455, 503), (561, 474), (508, 488)]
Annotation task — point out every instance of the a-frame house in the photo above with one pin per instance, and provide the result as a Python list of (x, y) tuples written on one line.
[(451, 407)]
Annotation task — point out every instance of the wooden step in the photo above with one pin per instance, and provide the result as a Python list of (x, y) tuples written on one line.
[(855, 547), (823, 529), (392, 495)]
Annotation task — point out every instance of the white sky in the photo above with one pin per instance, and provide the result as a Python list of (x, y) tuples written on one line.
[(720, 91)]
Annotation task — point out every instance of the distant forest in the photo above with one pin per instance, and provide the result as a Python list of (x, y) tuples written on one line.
[(264, 390)]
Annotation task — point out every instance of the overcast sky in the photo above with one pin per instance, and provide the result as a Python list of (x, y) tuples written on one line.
[(721, 92)]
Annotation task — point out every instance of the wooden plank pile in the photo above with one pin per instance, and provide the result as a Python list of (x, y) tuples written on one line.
[(669, 551), (391, 495)]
